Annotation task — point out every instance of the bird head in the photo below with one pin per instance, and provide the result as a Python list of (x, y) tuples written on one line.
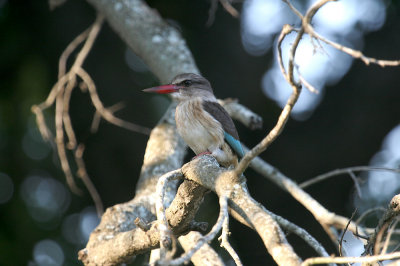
[(185, 86)]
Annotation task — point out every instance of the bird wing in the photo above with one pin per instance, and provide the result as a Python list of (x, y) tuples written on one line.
[(230, 133)]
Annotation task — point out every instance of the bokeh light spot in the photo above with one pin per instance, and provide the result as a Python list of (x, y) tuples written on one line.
[(383, 185), (46, 198), (88, 222), (380, 186), (77, 227), (344, 22), (391, 142), (70, 229), (33, 144), (261, 19), (48, 253), (6, 188), (36, 150)]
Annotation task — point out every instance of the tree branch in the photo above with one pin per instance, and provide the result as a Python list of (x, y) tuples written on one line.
[(205, 171), (159, 45), (369, 259), (373, 247), (320, 213)]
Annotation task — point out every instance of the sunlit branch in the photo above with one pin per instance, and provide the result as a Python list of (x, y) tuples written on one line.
[(300, 232), (225, 242), (223, 212), (166, 236), (284, 116), (369, 259)]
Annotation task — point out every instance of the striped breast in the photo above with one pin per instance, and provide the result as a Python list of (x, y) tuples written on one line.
[(199, 130)]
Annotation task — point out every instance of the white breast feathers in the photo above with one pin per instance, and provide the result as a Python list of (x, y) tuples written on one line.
[(199, 130)]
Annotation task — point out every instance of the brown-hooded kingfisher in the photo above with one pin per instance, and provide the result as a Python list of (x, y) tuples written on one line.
[(202, 122)]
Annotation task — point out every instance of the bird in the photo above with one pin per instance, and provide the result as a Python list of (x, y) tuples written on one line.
[(201, 121)]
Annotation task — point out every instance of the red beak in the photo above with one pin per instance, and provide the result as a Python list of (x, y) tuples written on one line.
[(163, 89)]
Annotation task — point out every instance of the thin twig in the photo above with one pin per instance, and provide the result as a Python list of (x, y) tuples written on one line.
[(295, 11), (41, 123), (223, 212), (66, 117), (229, 8), (275, 132), (211, 12), (326, 218), (380, 231), (396, 247), (313, 10), (369, 259), (62, 63), (389, 236), (94, 31), (306, 84), (286, 30), (165, 233), (82, 173), (369, 211), (346, 170), (300, 232), (139, 222), (344, 232), (97, 115), (60, 143), (379, 237), (225, 242), (356, 183), (354, 53), (57, 94), (105, 113)]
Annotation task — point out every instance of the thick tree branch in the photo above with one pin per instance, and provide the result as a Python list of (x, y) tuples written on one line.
[(166, 54), (159, 45), (111, 242), (207, 172), (129, 229), (242, 114)]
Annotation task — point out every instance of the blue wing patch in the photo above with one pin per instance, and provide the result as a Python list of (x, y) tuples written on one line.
[(235, 144)]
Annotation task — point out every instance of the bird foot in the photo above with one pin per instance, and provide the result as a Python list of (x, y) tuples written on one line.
[(200, 154)]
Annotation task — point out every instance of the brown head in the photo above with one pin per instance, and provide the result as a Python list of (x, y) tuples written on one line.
[(186, 86)]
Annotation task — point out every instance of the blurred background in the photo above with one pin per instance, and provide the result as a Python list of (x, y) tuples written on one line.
[(354, 120)]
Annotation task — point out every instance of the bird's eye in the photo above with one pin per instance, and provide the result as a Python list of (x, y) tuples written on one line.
[(187, 83)]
